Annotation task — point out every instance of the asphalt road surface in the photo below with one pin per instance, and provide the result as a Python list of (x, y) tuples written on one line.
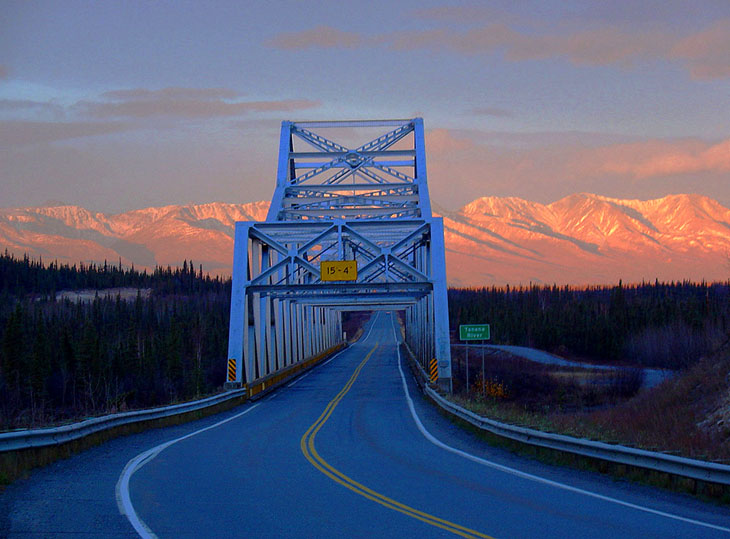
[(349, 449)]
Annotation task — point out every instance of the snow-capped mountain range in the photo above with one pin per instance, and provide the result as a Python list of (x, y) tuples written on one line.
[(581, 239)]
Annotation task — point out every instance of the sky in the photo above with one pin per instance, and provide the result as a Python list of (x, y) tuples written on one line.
[(116, 106)]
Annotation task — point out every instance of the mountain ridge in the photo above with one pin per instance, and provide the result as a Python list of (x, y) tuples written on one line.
[(580, 239)]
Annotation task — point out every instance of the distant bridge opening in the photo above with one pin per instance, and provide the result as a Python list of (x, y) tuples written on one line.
[(361, 207)]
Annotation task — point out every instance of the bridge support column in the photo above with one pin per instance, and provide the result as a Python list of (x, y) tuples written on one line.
[(440, 304), (237, 328)]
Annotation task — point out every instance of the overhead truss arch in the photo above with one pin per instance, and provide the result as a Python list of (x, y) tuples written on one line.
[(333, 201)]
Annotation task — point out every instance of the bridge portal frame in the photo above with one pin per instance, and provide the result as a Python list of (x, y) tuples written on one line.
[(369, 204)]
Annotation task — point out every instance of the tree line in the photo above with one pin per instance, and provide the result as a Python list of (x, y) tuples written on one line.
[(667, 325), (21, 277), (62, 360)]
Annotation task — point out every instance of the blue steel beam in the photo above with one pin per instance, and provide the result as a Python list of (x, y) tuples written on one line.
[(381, 219)]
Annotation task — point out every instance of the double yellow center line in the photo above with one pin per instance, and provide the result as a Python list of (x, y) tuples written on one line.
[(310, 452)]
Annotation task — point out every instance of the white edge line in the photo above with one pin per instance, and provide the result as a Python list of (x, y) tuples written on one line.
[(297, 380), (124, 501), (526, 475)]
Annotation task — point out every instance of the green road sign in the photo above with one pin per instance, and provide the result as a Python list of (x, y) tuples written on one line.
[(474, 332)]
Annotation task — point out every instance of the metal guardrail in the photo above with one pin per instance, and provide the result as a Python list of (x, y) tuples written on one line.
[(661, 462), (27, 439), (681, 466), (46, 437)]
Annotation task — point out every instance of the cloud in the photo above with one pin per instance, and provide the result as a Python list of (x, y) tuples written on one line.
[(460, 14), (20, 133), (3, 72), (707, 52), (122, 173), (490, 111), (599, 46), (188, 108), (182, 103), (26, 122), (434, 40), (704, 52), (680, 158), (324, 37), (466, 164), (15, 105), (443, 141), (173, 92)]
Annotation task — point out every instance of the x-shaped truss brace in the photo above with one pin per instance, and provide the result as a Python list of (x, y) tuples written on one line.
[(381, 258)]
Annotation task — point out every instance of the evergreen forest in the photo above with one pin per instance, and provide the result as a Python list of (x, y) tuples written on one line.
[(61, 360), (665, 325)]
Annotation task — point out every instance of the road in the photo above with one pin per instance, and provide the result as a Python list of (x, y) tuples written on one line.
[(349, 449)]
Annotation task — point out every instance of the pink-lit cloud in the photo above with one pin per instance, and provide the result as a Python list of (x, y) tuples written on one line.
[(462, 14), (26, 121), (188, 108), (173, 92), (490, 111), (704, 52), (464, 165), (183, 103), (3, 72), (433, 40), (599, 46), (443, 141), (21, 133), (682, 158), (325, 37), (707, 52)]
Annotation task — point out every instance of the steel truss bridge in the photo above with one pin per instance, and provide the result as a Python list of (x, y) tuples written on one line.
[(365, 202)]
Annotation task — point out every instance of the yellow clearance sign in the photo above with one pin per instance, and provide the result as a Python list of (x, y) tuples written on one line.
[(338, 270)]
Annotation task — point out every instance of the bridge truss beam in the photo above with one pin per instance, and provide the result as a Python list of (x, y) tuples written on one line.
[(369, 204)]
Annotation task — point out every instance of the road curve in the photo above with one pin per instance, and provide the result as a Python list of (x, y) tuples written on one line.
[(338, 453), (347, 450)]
